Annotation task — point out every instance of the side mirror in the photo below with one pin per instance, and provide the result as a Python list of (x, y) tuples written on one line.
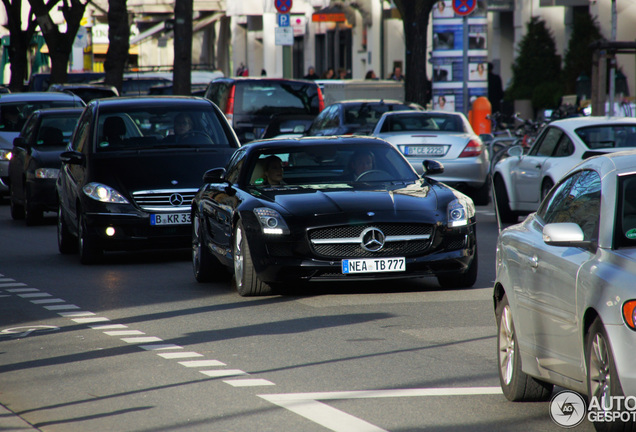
[(214, 175), (432, 167), (19, 142), (515, 151), (565, 234), (72, 158)]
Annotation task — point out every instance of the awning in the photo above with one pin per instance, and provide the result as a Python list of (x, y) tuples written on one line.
[(100, 49), (335, 13)]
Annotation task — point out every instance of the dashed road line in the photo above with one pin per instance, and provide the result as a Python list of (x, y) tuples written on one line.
[(201, 363), (179, 355), (220, 373)]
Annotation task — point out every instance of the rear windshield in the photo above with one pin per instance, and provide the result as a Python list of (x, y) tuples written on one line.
[(13, 115), (608, 136), (424, 122), (276, 97), (155, 127), (56, 131)]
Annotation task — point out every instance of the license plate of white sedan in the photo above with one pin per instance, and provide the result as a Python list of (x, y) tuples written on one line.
[(436, 150), (170, 219), (373, 265)]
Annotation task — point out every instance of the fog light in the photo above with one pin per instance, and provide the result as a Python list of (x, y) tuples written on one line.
[(110, 231)]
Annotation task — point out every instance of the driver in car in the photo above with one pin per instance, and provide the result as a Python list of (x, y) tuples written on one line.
[(361, 161)]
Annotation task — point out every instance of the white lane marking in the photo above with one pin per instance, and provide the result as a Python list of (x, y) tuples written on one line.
[(108, 326), (90, 320), (124, 333), (61, 307), (158, 347), (48, 301), (249, 382), (201, 363), (34, 295), (141, 339), (179, 354), (16, 284), (223, 373), (76, 314), (309, 406)]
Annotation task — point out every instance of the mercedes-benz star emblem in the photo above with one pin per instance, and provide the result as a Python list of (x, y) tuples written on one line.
[(372, 239), (176, 199)]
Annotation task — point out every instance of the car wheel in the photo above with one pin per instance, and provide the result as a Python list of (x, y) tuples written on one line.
[(460, 280), (66, 242), (17, 210), (246, 281), (89, 251), (204, 264), (32, 214), (603, 382), (481, 195), (545, 188), (502, 203), (515, 384)]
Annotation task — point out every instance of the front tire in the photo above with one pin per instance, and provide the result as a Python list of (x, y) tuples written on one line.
[(502, 202), (90, 252), (66, 242), (481, 195), (516, 385), (32, 214), (246, 281), (461, 280), (204, 264)]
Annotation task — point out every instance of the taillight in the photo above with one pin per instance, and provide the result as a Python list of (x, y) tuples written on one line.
[(629, 313), (321, 101), (472, 149), (229, 107)]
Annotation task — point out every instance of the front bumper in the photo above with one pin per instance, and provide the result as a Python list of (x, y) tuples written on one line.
[(622, 340)]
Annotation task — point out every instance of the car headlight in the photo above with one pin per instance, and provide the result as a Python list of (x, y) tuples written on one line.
[(271, 221), (460, 211), (104, 193), (5, 155), (47, 173)]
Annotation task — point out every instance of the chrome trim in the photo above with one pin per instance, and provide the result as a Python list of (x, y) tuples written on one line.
[(359, 239), (162, 191)]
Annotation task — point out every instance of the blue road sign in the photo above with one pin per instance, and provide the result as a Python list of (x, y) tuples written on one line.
[(283, 6), (464, 7), (283, 20)]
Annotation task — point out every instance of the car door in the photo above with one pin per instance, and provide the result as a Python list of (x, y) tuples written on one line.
[(529, 172), (548, 312)]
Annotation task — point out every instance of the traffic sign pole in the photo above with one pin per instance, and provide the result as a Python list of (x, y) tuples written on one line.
[(284, 7)]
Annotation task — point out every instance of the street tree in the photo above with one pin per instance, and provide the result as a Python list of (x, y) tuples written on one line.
[(118, 43), (19, 40), (60, 43), (415, 19), (182, 47)]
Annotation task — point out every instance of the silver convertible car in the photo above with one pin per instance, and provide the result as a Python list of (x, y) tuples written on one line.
[(443, 136), (564, 296)]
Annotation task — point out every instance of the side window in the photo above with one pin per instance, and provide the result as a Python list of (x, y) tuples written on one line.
[(29, 127), (547, 143), (564, 147), (577, 199), (82, 133), (234, 166), (333, 119)]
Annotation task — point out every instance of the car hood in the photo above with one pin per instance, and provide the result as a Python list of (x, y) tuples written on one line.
[(6, 139), (382, 200), (157, 170)]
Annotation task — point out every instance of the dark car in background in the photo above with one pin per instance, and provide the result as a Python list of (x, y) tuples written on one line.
[(35, 165), (251, 103), (15, 108), (132, 169), (331, 218), (86, 91), (353, 117), (40, 82)]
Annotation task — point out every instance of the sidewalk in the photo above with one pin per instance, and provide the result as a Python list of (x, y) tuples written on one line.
[(9, 422)]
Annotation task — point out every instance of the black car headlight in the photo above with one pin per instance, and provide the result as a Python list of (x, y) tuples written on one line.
[(460, 211), (271, 221), (103, 193), (5, 155)]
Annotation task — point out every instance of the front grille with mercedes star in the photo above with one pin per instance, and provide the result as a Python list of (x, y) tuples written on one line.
[(165, 199)]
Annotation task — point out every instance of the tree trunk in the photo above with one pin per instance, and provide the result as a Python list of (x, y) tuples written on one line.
[(415, 19), (182, 47), (18, 44), (119, 43)]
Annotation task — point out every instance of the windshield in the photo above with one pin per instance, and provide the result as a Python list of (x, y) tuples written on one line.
[(608, 136), (13, 115), (334, 164), (275, 97), (160, 127)]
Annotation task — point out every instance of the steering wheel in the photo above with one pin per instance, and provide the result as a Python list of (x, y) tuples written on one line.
[(370, 173)]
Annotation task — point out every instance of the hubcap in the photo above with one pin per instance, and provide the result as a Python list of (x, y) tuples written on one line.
[(600, 377), (238, 257), (506, 345)]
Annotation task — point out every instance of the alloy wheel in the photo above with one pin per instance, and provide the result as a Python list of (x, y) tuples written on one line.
[(506, 345)]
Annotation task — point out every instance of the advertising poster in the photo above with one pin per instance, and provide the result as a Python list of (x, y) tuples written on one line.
[(460, 56)]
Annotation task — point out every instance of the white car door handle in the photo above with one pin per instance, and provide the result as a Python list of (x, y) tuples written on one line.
[(534, 262)]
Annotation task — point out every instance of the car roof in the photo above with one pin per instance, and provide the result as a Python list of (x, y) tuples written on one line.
[(150, 100), (370, 101), (46, 112), (36, 96), (577, 122), (317, 141), (245, 79)]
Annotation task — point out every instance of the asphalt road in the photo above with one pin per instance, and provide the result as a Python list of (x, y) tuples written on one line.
[(136, 344)]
